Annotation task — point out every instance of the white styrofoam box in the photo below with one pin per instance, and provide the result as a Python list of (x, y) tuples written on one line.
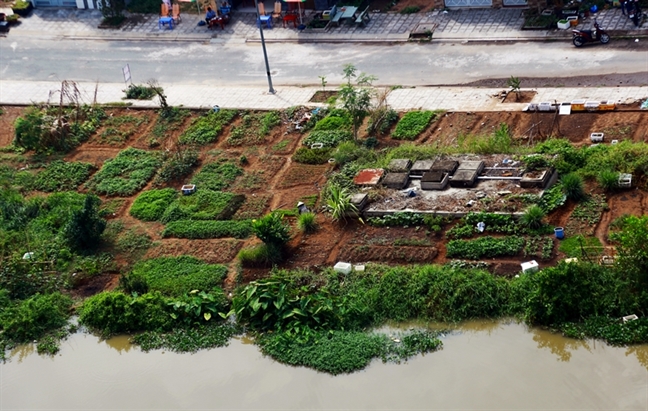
[(530, 266), (625, 180), (546, 106), (317, 145), (630, 317), (614, 142), (563, 24), (344, 268), (359, 267), (597, 137), (592, 105)]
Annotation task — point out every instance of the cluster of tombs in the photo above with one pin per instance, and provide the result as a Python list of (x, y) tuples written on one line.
[(454, 185)]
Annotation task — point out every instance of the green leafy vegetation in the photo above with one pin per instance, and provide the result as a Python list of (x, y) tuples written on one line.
[(126, 174), (532, 217), (218, 175), (253, 128), (203, 205), (572, 185), (578, 245), (208, 229), (498, 142), (412, 124), (176, 276), (485, 247), (187, 339), (205, 129), (150, 205), (176, 166), (307, 222), (61, 175), (306, 155)]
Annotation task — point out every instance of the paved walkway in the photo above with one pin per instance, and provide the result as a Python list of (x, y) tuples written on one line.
[(199, 96), (454, 25)]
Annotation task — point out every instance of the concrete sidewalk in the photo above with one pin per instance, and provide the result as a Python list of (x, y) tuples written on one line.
[(454, 25), (426, 98)]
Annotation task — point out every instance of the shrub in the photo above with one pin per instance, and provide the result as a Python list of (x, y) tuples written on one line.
[(333, 123), (572, 186), (61, 175), (126, 174), (339, 202), (30, 319), (497, 142), (485, 247), (535, 162), (571, 292), (262, 255), (305, 155), (381, 120), (150, 205), (329, 138), (216, 176), (176, 276), (208, 229), (141, 92), (271, 229), (532, 217), (84, 228), (177, 166), (412, 124), (307, 222), (205, 129), (608, 180)]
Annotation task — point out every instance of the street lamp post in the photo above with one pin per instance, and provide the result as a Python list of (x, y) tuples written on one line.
[(265, 53)]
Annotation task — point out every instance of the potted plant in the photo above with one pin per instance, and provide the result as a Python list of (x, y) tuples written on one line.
[(13, 19), (22, 8)]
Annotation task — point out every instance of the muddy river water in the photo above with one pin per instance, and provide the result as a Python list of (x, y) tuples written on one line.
[(483, 366)]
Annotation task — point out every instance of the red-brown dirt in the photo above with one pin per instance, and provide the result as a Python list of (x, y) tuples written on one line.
[(272, 181)]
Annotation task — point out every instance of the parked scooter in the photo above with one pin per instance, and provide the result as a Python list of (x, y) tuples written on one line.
[(580, 37)]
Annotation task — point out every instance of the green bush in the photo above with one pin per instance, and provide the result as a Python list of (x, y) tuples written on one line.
[(141, 92), (126, 174), (150, 205), (112, 312), (498, 142), (262, 255), (485, 247), (177, 166), (305, 155), (187, 340), (381, 120), (572, 186), (32, 318), (333, 123), (412, 124), (608, 180), (216, 176), (572, 292), (144, 6), (208, 229), (176, 276), (307, 222), (205, 129), (271, 229), (84, 227), (61, 175), (329, 138), (532, 217)]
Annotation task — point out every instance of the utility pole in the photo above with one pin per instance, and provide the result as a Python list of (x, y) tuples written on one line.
[(265, 54)]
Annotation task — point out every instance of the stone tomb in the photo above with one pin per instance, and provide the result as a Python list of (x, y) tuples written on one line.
[(447, 166), (399, 165), (434, 180), (420, 167), (397, 181), (467, 173)]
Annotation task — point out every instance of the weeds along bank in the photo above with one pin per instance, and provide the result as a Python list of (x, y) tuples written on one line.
[(98, 207)]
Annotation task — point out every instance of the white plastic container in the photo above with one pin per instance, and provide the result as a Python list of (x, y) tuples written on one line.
[(597, 137), (563, 24), (530, 267), (344, 268)]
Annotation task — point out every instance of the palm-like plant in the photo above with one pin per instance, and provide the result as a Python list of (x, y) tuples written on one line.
[(532, 217), (339, 203)]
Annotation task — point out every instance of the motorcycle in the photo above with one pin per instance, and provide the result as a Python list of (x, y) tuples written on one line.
[(580, 37)]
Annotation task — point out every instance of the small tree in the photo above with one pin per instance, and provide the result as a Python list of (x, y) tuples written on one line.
[(632, 249), (356, 99), (85, 227), (514, 84), (113, 11)]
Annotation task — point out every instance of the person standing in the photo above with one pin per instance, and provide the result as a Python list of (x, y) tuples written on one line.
[(623, 6)]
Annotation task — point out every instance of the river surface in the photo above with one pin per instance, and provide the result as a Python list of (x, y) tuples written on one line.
[(483, 366)]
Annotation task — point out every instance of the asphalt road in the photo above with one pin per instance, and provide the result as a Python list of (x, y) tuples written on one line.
[(23, 58)]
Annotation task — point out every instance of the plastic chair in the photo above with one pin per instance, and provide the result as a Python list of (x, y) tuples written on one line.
[(175, 12), (164, 12), (276, 14)]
